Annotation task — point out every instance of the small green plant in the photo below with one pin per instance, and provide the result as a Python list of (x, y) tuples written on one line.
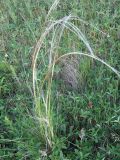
[(4, 80)]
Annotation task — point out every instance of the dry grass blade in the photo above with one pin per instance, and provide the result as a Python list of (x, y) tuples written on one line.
[(91, 56), (54, 5), (47, 130), (39, 45), (80, 35), (91, 25)]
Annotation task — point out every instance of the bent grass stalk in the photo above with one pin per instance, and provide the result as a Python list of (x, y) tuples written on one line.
[(43, 104)]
